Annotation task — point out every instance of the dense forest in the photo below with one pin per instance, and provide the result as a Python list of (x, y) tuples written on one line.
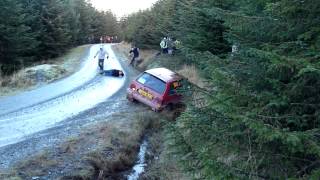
[(261, 112), (35, 30)]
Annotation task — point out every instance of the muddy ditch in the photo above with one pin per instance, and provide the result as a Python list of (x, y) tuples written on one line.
[(140, 164), (106, 150), (154, 160)]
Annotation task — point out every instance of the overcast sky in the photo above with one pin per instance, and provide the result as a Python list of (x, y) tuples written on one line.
[(122, 7)]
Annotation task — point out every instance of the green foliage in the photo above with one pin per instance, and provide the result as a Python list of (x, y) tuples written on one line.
[(259, 116), (16, 38), (34, 30), (187, 21)]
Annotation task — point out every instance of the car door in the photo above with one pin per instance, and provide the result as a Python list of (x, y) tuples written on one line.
[(173, 94)]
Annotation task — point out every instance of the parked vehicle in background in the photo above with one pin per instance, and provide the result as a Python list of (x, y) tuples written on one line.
[(157, 88)]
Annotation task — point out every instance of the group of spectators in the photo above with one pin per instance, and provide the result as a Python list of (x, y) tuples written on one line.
[(108, 39), (103, 39), (169, 45)]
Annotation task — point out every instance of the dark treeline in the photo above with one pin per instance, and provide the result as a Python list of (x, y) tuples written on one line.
[(35, 30), (261, 117)]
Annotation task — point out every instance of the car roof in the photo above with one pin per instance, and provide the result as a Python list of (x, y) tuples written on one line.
[(164, 74)]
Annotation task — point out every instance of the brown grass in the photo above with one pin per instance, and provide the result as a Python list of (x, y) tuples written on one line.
[(14, 80), (39, 165), (26, 78), (70, 146), (192, 74), (198, 98), (145, 55), (161, 165), (125, 142), (102, 151), (71, 60), (124, 49)]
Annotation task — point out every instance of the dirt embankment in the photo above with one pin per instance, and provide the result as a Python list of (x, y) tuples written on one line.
[(160, 163), (144, 59), (152, 59), (44, 73)]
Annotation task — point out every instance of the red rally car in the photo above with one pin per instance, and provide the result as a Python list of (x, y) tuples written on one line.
[(156, 88)]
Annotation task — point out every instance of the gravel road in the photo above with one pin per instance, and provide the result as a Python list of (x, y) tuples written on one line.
[(42, 118)]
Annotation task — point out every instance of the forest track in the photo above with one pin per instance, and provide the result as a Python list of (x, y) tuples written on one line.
[(45, 123)]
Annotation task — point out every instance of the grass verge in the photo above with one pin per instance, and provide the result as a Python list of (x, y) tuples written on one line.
[(162, 164), (106, 150), (145, 55), (46, 72)]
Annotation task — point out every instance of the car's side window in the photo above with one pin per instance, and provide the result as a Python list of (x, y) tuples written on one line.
[(173, 87)]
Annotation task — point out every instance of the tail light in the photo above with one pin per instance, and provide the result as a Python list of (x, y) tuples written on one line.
[(133, 87)]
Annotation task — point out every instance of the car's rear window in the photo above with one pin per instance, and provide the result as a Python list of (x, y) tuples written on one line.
[(152, 82)]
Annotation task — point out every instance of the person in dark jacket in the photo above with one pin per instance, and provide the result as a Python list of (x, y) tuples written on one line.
[(135, 52), (112, 72)]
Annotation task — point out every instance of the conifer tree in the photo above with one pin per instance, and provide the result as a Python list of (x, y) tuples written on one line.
[(259, 114), (35, 30), (16, 37)]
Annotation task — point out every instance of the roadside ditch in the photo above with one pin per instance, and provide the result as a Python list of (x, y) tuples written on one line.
[(129, 143)]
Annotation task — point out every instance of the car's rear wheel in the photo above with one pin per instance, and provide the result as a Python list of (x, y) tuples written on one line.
[(131, 98), (169, 107), (155, 110)]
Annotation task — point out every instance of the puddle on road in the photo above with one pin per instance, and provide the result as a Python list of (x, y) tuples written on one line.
[(138, 169)]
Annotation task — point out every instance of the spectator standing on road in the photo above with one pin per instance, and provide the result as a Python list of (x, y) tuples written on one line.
[(102, 53), (135, 52)]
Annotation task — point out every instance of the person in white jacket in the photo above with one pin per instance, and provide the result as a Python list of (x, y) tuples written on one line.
[(101, 56), (164, 45)]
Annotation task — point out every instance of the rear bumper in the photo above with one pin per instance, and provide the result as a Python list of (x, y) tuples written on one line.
[(133, 95)]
